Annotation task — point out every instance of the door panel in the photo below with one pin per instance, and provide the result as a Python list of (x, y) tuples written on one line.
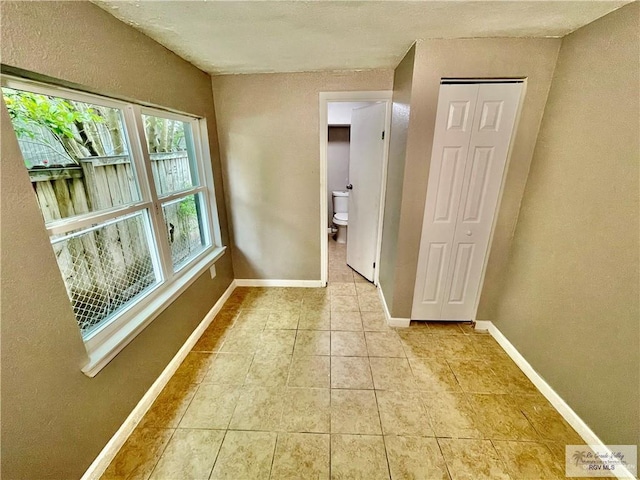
[(470, 194), (365, 174)]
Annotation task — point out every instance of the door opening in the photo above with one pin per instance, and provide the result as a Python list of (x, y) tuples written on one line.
[(353, 160)]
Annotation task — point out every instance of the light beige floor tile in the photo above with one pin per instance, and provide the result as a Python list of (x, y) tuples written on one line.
[(190, 454), (433, 374), (417, 342), (546, 420), (363, 288), (211, 407), (312, 342), (245, 455), (476, 376), (277, 342), (283, 320), (301, 455), (269, 370), (194, 367), (354, 411), (139, 454), (529, 460), (358, 457), (469, 459), (370, 302), (445, 328), (417, 458), (350, 321), (258, 408), (348, 344), (340, 276), (451, 415), (342, 288), (392, 374), (253, 319), (169, 407), (306, 410), (384, 344), (316, 304), (501, 419), (402, 413), (351, 372), (309, 371), (374, 321), (344, 303), (315, 320), (228, 368), (241, 341)]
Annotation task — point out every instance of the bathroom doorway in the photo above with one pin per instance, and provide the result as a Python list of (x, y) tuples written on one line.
[(353, 164)]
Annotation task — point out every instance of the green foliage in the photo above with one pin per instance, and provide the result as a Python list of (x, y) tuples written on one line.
[(28, 109), (187, 208)]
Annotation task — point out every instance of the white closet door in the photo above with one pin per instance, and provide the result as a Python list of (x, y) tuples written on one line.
[(454, 117), (458, 280)]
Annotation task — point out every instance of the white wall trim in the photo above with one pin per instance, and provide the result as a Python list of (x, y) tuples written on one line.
[(392, 321), (549, 393), (250, 282), (108, 453)]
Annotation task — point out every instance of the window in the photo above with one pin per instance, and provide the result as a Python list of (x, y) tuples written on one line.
[(126, 193)]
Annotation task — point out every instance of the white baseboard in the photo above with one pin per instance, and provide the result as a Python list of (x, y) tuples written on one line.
[(108, 453), (250, 282), (549, 393), (392, 321)]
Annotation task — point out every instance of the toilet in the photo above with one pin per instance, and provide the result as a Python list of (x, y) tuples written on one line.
[(340, 214)]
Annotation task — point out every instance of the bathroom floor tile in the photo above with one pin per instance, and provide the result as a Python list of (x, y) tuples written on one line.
[(312, 342), (189, 454), (469, 459), (415, 457), (301, 455), (384, 344), (354, 411), (306, 410), (348, 344), (346, 321), (351, 372), (358, 457), (309, 371), (245, 455)]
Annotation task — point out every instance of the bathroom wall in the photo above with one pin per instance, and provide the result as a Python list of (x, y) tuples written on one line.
[(55, 420), (268, 126), (570, 302), (337, 163)]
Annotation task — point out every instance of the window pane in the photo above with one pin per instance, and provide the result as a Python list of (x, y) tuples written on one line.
[(173, 160), (185, 229), (106, 268), (76, 153)]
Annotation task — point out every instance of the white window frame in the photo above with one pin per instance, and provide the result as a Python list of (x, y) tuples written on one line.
[(106, 341)]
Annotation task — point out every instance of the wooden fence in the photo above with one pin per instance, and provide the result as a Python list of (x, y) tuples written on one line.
[(105, 267)]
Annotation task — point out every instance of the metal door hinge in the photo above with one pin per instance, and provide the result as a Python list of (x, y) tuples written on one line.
[(383, 135)]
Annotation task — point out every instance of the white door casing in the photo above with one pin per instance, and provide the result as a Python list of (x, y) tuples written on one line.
[(366, 153), (474, 126)]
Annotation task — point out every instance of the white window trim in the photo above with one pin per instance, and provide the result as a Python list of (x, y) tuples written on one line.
[(108, 340)]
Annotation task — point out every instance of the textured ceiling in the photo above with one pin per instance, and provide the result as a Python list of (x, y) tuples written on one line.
[(223, 37)]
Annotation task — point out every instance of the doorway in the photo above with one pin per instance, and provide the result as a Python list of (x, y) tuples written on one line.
[(370, 140)]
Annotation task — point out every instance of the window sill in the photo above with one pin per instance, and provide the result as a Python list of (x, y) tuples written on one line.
[(105, 350)]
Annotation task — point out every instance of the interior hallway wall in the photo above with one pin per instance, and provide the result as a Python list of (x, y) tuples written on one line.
[(530, 58), (55, 420), (337, 163), (570, 302), (270, 149)]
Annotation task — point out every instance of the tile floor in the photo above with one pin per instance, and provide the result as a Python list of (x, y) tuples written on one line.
[(292, 383)]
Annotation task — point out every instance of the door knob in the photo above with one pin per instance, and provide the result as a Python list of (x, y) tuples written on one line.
[(468, 233), (349, 187)]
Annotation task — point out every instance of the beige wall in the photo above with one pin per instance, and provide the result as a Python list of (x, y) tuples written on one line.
[(570, 297), (269, 145), (55, 420), (533, 59), (400, 114)]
